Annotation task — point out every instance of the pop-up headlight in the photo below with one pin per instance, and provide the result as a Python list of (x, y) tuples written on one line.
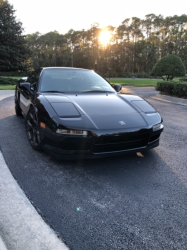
[(65, 109), (71, 132), (144, 106)]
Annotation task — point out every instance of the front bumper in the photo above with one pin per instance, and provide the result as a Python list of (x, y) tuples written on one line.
[(98, 146)]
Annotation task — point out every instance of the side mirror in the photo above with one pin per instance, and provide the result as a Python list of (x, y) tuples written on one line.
[(25, 86), (23, 79), (117, 87)]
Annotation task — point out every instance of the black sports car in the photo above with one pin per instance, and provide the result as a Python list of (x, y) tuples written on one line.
[(74, 113)]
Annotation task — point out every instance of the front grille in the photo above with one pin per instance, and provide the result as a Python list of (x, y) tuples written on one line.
[(119, 143), (75, 144)]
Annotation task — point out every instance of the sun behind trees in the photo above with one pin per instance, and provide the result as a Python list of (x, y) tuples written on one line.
[(105, 37), (134, 46)]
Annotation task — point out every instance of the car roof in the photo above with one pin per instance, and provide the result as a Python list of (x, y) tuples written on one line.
[(67, 68)]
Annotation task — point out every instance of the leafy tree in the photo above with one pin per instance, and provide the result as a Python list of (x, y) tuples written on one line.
[(169, 66), (13, 51)]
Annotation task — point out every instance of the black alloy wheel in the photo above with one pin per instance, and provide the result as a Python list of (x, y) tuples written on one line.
[(33, 129), (18, 109)]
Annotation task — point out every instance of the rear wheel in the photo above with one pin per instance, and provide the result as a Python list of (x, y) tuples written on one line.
[(18, 109), (33, 129)]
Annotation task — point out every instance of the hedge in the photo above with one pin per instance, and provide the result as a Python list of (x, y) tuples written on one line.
[(8, 81), (137, 75), (3, 73), (173, 88), (183, 80)]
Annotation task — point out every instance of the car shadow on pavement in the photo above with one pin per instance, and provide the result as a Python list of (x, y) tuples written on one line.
[(126, 202)]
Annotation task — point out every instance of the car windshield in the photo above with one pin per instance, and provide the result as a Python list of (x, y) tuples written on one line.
[(73, 80)]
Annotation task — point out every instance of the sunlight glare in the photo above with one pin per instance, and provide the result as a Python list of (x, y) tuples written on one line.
[(104, 36)]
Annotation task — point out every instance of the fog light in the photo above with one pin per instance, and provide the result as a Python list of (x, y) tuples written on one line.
[(71, 132), (157, 126)]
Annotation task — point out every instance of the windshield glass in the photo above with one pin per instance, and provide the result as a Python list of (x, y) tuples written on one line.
[(73, 80)]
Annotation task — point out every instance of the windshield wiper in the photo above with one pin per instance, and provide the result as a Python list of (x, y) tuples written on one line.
[(97, 91)]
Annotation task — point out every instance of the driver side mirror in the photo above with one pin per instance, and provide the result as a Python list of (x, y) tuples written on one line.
[(24, 78), (25, 86), (117, 87)]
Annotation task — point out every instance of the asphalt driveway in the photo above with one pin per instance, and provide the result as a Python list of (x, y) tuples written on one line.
[(127, 202)]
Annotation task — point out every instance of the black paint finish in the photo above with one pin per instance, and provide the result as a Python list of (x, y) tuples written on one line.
[(115, 123)]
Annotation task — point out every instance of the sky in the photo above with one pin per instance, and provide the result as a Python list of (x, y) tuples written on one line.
[(60, 15)]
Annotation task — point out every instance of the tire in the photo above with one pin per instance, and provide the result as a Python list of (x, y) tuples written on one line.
[(18, 109), (33, 129)]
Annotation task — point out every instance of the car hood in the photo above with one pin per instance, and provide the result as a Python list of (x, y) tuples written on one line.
[(99, 111)]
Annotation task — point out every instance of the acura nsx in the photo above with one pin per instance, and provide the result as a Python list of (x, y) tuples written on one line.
[(73, 113)]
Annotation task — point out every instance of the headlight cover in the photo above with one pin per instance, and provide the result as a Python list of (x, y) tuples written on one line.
[(144, 106), (65, 109), (72, 132)]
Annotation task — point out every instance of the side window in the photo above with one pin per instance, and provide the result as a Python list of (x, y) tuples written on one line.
[(33, 79)]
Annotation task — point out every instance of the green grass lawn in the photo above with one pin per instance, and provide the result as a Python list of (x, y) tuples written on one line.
[(13, 77), (136, 82), (122, 81), (7, 87)]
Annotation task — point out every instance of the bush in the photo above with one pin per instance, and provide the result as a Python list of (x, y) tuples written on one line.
[(142, 75), (110, 74), (170, 66), (137, 75), (14, 73), (178, 89), (8, 81), (183, 80)]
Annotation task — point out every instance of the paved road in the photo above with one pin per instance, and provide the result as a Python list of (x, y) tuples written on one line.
[(6, 93), (145, 92), (126, 202)]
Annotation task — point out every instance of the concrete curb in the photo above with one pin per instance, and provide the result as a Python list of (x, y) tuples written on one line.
[(21, 227), (170, 99), (2, 245)]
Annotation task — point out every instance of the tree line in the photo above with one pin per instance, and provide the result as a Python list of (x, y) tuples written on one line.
[(135, 45)]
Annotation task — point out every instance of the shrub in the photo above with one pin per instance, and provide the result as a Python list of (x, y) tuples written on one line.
[(142, 75), (110, 74), (183, 80), (137, 75), (128, 75), (14, 73), (169, 66), (6, 81), (178, 89)]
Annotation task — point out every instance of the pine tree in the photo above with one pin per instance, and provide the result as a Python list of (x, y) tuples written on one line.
[(13, 50)]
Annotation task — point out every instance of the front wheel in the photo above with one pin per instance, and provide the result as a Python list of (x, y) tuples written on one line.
[(33, 129)]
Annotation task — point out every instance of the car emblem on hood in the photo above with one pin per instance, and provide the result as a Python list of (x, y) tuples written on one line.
[(122, 123)]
